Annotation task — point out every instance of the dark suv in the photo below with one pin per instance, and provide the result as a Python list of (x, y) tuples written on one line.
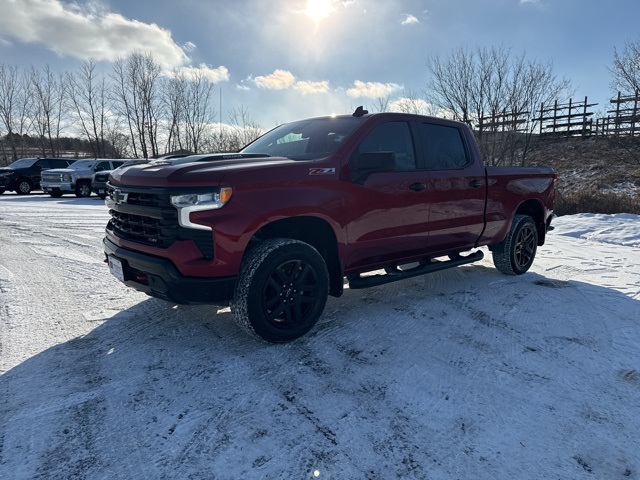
[(23, 175)]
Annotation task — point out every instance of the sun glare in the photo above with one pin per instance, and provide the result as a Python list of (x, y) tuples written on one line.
[(318, 9)]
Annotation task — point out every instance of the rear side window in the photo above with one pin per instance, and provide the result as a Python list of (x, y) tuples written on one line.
[(444, 147), (117, 164), (44, 164), (59, 163), (391, 137)]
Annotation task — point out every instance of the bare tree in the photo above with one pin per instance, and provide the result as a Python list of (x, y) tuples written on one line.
[(49, 107), (89, 102), (15, 107), (493, 83), (241, 130), (190, 114), (626, 68), (138, 99)]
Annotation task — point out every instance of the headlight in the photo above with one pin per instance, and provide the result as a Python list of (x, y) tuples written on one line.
[(66, 177), (197, 202), (204, 200)]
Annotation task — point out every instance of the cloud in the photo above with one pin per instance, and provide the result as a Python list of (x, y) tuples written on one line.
[(312, 87), (86, 31), (214, 75), (372, 89), (410, 105), (409, 19), (189, 47), (278, 80)]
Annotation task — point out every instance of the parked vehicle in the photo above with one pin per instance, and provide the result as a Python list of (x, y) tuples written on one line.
[(99, 180), (76, 178), (23, 176), (276, 228)]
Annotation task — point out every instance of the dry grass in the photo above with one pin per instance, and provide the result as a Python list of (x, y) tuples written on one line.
[(595, 175)]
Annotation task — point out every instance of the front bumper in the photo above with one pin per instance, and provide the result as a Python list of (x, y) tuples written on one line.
[(99, 187), (160, 278), (49, 187)]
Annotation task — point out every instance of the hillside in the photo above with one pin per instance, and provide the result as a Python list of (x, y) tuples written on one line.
[(597, 175)]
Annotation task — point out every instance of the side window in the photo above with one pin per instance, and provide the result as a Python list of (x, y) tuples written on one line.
[(43, 164), (59, 163), (391, 137), (444, 148), (116, 164), (102, 166)]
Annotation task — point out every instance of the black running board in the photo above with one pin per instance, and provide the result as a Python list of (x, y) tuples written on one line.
[(358, 281)]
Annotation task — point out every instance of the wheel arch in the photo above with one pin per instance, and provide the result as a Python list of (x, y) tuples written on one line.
[(314, 231), (535, 209)]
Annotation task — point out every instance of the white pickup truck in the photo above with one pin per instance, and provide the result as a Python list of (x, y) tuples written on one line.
[(76, 178)]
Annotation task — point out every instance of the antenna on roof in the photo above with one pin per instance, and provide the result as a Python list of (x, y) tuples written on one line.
[(360, 111)]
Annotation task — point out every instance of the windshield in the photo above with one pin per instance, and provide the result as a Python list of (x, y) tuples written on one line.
[(82, 164), (306, 139), (22, 163)]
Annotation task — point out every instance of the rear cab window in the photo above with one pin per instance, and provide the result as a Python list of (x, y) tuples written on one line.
[(444, 147)]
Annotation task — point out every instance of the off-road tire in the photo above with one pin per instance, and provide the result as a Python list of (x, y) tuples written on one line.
[(83, 189), (281, 291), (24, 186), (515, 255)]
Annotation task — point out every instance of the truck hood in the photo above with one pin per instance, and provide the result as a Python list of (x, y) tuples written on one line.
[(60, 170), (192, 171)]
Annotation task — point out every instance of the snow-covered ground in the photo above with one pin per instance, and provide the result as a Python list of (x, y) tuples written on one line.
[(462, 374)]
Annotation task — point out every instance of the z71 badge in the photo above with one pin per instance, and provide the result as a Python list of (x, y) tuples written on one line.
[(322, 171)]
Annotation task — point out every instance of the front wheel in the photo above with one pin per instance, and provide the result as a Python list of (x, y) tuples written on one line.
[(281, 290), (515, 255), (83, 189), (24, 187)]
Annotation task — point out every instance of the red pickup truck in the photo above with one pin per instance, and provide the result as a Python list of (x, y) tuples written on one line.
[(274, 229)]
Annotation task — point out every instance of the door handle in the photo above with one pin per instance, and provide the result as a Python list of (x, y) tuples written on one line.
[(416, 187), (475, 183)]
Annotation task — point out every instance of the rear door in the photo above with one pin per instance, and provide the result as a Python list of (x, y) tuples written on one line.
[(38, 167), (386, 209), (456, 186)]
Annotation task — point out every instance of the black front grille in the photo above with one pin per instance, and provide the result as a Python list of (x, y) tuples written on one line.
[(101, 177), (148, 217), (160, 232)]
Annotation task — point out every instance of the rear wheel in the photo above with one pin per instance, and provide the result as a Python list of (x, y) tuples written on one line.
[(281, 291), (24, 186), (83, 189), (516, 254)]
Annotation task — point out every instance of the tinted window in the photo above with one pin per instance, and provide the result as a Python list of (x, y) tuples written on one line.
[(391, 137), (444, 148), (117, 164), (102, 166), (44, 164), (55, 163)]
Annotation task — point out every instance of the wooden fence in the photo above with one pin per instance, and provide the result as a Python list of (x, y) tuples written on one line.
[(624, 119), (567, 119)]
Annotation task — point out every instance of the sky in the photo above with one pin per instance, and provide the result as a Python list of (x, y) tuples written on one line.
[(282, 60)]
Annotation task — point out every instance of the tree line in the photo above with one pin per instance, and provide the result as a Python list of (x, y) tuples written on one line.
[(136, 110)]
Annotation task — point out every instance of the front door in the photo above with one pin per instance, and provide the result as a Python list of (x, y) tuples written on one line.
[(387, 210)]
